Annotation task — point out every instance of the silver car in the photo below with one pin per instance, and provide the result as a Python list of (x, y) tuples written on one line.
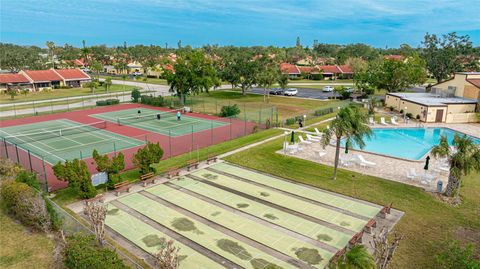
[(291, 92), (327, 89)]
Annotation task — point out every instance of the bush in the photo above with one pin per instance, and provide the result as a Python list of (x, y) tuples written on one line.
[(391, 108), (83, 252), (316, 76), (136, 95), (417, 117), (401, 111), (151, 100), (290, 121), (321, 112), (455, 256), (108, 102), (229, 111), (146, 156), (77, 175), (26, 205), (410, 115), (28, 178), (61, 87)]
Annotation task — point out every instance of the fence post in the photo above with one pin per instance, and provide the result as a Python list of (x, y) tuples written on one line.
[(192, 138), (51, 106), (45, 175), (81, 156), (30, 160), (230, 128), (114, 148), (18, 157), (170, 142), (211, 132), (68, 105), (14, 111), (245, 121), (6, 149), (33, 104), (216, 107)]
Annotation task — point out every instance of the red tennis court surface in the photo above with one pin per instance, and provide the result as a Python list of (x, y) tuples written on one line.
[(172, 145)]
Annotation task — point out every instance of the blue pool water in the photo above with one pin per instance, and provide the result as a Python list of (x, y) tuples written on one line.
[(406, 143)]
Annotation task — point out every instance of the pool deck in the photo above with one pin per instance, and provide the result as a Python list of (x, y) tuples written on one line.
[(387, 167)]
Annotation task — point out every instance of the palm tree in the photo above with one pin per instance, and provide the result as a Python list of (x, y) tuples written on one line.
[(463, 158), (350, 124), (51, 52)]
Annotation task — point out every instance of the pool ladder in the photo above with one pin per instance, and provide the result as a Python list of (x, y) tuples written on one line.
[(420, 124)]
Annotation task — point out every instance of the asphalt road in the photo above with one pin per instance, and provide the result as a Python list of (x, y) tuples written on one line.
[(306, 93)]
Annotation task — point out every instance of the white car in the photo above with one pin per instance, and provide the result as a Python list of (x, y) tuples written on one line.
[(327, 89), (291, 92)]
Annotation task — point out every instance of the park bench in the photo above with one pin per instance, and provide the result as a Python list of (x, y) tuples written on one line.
[(357, 238), (97, 198), (121, 186), (148, 178), (370, 225), (385, 210), (339, 254), (211, 158), (192, 164), (173, 172)]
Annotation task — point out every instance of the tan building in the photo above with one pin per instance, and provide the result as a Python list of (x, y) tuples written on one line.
[(465, 84)]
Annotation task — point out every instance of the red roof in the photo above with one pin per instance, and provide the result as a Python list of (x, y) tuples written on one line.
[(474, 81), (289, 68), (394, 57), (169, 67), (72, 74), (42, 75), (330, 69), (309, 69), (13, 78), (345, 68)]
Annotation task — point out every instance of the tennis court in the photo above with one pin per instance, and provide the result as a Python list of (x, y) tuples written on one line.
[(250, 220), (167, 124), (62, 139)]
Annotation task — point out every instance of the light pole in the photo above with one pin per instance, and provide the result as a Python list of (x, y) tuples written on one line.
[(405, 115), (285, 142)]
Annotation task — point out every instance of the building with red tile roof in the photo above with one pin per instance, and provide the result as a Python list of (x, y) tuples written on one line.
[(41, 75), (73, 77), (14, 81), (290, 69)]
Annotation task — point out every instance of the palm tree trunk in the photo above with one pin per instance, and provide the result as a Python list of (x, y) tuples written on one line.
[(337, 156), (452, 185)]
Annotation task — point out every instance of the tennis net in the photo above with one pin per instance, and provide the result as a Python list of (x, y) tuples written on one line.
[(146, 117), (44, 135)]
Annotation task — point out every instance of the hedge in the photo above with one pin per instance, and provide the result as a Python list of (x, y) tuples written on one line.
[(152, 100), (108, 102)]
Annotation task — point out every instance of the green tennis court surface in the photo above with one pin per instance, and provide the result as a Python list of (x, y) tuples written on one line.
[(251, 219), (166, 125), (60, 140)]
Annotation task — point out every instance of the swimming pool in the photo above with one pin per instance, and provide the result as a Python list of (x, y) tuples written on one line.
[(406, 143)]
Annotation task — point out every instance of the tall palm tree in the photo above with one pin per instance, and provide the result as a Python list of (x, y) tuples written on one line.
[(463, 158), (351, 124), (51, 51)]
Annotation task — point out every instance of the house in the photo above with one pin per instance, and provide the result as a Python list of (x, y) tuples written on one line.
[(330, 71), (455, 100), (346, 72), (134, 67), (159, 70), (14, 81), (290, 69), (73, 77), (42, 79)]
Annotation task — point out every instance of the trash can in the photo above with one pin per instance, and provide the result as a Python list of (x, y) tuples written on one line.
[(439, 186)]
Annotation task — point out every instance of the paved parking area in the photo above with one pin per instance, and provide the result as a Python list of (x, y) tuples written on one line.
[(306, 93)]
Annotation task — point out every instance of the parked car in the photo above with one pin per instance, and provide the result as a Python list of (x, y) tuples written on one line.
[(327, 89), (348, 89), (276, 91), (291, 92), (136, 73)]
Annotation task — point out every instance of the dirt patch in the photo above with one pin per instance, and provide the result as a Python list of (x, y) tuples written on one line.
[(270, 216), (344, 223), (185, 225), (242, 205), (308, 255), (210, 176), (216, 213), (113, 211), (263, 264), (324, 237), (264, 194), (467, 235), (153, 240), (234, 248)]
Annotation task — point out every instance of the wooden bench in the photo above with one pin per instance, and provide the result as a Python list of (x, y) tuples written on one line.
[(339, 254), (97, 198), (357, 238), (370, 225), (148, 178), (385, 210), (173, 172), (211, 158), (122, 186), (191, 164)]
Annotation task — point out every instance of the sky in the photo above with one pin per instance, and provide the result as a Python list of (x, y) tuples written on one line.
[(382, 23)]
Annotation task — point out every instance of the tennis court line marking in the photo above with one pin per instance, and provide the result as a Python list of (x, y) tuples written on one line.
[(41, 150)]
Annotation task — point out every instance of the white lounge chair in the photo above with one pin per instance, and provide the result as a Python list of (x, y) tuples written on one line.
[(382, 121), (320, 153), (394, 121), (364, 162), (303, 141), (292, 149), (427, 179), (313, 138), (371, 121), (345, 161), (412, 174), (317, 132)]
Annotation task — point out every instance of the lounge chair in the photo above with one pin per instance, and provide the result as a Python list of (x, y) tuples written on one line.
[(371, 121), (364, 162), (427, 179), (292, 149), (382, 121), (412, 174), (394, 121), (317, 132), (344, 161), (312, 138), (303, 141), (320, 153)]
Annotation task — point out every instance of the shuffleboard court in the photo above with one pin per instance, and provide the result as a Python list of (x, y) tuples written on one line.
[(167, 124), (61, 140)]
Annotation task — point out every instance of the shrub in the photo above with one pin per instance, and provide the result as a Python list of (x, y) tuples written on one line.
[(391, 108), (324, 111), (83, 252), (410, 115), (151, 100), (146, 156), (136, 95), (455, 256), (28, 178), (25, 204), (417, 117), (108, 102), (290, 121), (77, 175), (61, 87), (229, 111), (401, 111), (316, 76)]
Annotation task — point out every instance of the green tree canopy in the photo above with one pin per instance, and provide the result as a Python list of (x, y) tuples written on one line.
[(77, 175), (146, 156)]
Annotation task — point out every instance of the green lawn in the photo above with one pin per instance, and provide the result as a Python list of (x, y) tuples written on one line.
[(23, 249), (159, 81), (61, 93), (427, 220)]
